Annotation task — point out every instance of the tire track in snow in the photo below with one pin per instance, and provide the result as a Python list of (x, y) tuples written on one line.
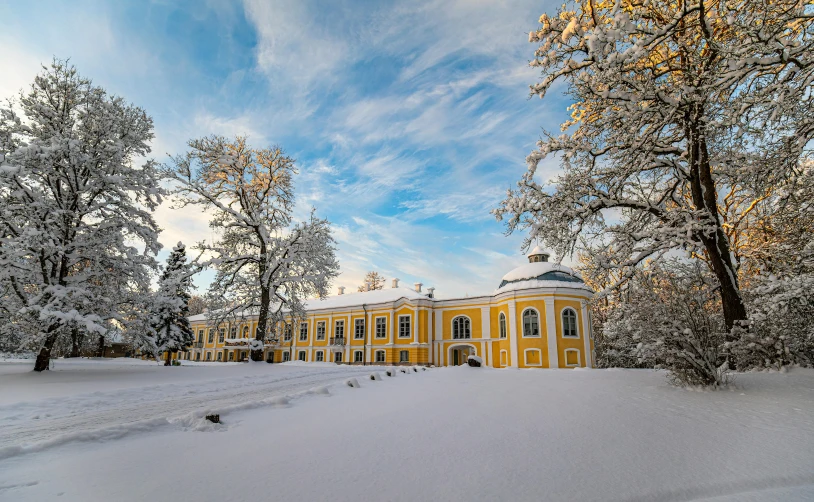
[(117, 416)]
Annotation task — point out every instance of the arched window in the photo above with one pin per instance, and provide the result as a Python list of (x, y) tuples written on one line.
[(569, 323), (245, 332), (531, 323), (461, 328), (501, 322)]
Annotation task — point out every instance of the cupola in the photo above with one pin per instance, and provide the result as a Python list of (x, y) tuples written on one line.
[(538, 255)]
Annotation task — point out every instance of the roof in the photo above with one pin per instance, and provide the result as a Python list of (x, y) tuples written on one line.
[(365, 297), (535, 270), (537, 283), (343, 301), (538, 250)]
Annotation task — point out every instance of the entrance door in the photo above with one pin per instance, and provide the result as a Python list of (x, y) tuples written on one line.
[(455, 357), (270, 357)]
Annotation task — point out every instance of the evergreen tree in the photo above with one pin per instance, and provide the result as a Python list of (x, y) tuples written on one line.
[(171, 306), (374, 280)]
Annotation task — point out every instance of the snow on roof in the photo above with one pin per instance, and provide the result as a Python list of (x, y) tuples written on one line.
[(536, 283), (365, 297), (534, 270), (538, 250)]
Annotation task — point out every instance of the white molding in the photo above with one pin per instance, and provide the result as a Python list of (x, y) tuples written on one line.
[(523, 323), (579, 358), (562, 324), (457, 344), (500, 363), (452, 328), (526, 358), (551, 334), (398, 327), (392, 327)]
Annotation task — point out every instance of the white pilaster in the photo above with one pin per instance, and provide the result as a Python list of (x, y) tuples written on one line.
[(430, 342), (348, 337), (369, 335), (513, 334), (392, 327), (439, 337), (551, 334), (414, 325), (586, 335)]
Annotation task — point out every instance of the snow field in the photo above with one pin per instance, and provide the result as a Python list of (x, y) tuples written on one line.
[(458, 434)]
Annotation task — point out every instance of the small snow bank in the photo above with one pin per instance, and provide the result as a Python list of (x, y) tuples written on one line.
[(375, 376), (475, 359), (354, 383)]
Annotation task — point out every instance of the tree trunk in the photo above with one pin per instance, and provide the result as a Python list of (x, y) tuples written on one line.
[(262, 322), (705, 197), (100, 350), (44, 357), (167, 360), (77, 337)]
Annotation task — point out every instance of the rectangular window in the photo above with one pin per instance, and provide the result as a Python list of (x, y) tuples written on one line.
[(381, 327), (221, 333), (303, 331), (286, 356), (359, 329), (320, 356), (404, 326), (220, 356), (337, 357), (200, 335), (301, 355), (357, 356), (233, 333), (379, 356), (211, 337), (339, 329), (321, 330), (287, 332), (404, 356)]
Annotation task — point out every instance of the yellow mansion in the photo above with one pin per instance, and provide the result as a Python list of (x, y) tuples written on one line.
[(537, 318)]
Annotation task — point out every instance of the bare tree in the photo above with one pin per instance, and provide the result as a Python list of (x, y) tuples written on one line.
[(373, 281)]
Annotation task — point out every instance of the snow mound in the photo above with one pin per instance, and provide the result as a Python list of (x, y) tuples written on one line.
[(352, 382)]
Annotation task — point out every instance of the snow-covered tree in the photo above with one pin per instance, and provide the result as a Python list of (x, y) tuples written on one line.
[(670, 318), (77, 237), (674, 105), (169, 306), (373, 281), (196, 305), (265, 262)]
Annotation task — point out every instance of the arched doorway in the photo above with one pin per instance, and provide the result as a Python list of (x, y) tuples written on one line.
[(458, 353)]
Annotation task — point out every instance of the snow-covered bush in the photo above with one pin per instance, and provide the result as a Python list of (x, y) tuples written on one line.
[(670, 319)]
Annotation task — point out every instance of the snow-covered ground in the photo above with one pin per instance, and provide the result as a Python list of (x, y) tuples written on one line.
[(130, 430)]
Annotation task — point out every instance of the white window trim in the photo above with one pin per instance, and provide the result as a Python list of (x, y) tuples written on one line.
[(337, 323), (356, 323), (523, 323), (322, 337), (401, 353), (376, 331), (502, 328), (360, 353), (317, 354), (376, 356), (579, 358), (286, 353), (502, 358), (526, 357), (452, 327), (305, 355), (301, 338), (562, 323), (409, 325)]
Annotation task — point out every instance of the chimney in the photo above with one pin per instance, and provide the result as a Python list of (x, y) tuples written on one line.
[(395, 283), (367, 286), (418, 287), (341, 290), (431, 292)]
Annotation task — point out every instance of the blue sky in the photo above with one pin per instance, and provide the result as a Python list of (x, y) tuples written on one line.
[(408, 119)]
